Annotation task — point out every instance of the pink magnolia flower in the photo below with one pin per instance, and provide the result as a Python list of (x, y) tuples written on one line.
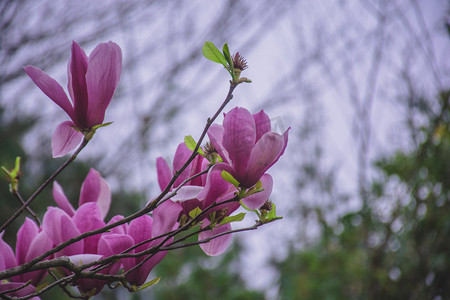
[(205, 190), (31, 242), (91, 85), (191, 189), (121, 238), (64, 223), (247, 145), (94, 189), (217, 190)]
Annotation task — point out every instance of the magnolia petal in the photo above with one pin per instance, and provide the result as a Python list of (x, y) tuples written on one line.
[(164, 217), (164, 173), (60, 228), (82, 259), (76, 85), (96, 189), (189, 205), (88, 217), (139, 277), (255, 201), (181, 156), (217, 245), (51, 88), (262, 124), (90, 189), (231, 206), (121, 229), (61, 199), (102, 77), (286, 137), (215, 186), (22, 289), (239, 138), (87, 286), (187, 192), (39, 245), (104, 198), (7, 258), (267, 151), (215, 134), (140, 229), (65, 139), (26, 234), (111, 244), (197, 165)]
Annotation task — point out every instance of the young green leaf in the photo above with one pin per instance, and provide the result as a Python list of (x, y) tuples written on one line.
[(226, 53), (272, 215), (195, 212), (191, 144), (148, 284), (212, 53), (236, 218), (229, 178), (273, 212)]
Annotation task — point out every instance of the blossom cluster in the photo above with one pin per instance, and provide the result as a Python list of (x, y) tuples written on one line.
[(202, 189), (63, 223)]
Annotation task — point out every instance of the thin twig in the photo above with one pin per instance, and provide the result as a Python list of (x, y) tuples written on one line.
[(45, 184), (30, 211)]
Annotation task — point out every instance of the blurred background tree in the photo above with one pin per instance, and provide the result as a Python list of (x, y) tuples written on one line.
[(356, 81), (396, 247)]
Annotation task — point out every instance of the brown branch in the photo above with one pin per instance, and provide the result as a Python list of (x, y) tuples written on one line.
[(30, 211)]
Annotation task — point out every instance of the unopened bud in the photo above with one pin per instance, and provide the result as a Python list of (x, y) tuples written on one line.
[(210, 152), (266, 207)]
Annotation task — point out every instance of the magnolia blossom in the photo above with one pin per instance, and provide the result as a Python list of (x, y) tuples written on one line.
[(202, 191), (31, 242), (64, 222), (91, 84), (247, 145)]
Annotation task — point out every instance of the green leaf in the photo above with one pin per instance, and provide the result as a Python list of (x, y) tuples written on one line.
[(229, 178), (13, 175), (212, 53), (236, 218), (272, 214), (148, 284), (191, 144), (195, 212), (101, 125), (226, 53), (41, 286)]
